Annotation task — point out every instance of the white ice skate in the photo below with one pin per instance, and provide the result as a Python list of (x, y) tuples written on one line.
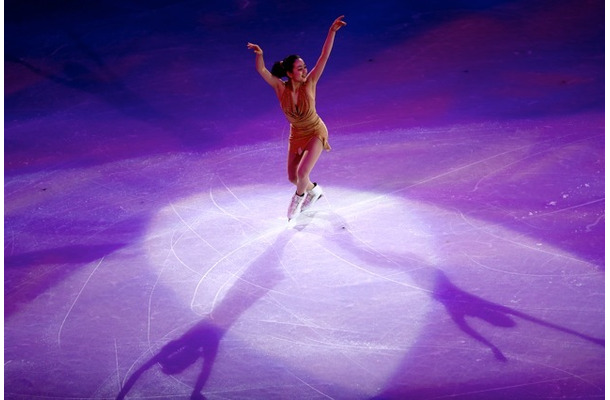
[(295, 206), (312, 196)]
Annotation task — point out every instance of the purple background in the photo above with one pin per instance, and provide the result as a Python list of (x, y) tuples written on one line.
[(458, 251)]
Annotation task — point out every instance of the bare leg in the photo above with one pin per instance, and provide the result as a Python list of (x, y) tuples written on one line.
[(293, 165), (308, 160)]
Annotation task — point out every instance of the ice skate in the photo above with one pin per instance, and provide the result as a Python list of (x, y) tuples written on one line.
[(295, 205), (312, 196)]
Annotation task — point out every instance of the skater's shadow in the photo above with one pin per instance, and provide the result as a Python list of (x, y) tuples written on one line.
[(458, 303), (203, 339), (460, 306)]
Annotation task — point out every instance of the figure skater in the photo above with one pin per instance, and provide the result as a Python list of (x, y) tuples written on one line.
[(308, 133)]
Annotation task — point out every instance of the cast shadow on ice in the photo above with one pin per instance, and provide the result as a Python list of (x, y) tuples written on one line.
[(202, 340), (460, 304)]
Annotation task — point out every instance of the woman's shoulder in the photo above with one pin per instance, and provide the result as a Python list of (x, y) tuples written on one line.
[(280, 88), (310, 86)]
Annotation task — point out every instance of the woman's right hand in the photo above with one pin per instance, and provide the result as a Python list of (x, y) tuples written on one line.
[(256, 48)]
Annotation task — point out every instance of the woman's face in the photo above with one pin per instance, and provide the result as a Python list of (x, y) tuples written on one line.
[(299, 71)]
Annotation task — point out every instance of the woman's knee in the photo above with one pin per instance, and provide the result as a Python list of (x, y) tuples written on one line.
[(302, 173)]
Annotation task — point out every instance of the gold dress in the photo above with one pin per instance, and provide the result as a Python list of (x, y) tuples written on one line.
[(305, 123)]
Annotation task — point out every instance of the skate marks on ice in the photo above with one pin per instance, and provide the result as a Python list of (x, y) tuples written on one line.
[(311, 287), (458, 303), (271, 293), (509, 269), (347, 305), (200, 343)]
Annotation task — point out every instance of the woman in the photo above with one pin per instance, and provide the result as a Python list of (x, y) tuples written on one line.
[(308, 134)]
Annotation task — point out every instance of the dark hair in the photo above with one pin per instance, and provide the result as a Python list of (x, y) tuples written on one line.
[(280, 68)]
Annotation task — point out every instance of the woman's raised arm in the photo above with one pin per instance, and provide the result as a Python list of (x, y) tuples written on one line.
[(275, 82), (317, 70)]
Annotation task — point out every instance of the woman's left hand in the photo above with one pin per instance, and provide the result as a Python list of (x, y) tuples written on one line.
[(338, 24)]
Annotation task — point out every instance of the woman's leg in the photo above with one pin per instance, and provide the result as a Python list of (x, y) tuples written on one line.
[(309, 158), (292, 166), (299, 167)]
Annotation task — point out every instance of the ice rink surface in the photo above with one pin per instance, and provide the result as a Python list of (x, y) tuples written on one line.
[(458, 251)]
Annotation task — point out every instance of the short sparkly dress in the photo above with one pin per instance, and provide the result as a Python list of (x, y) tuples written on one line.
[(305, 123)]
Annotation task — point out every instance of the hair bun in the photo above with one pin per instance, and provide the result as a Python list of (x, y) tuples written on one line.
[(278, 70)]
